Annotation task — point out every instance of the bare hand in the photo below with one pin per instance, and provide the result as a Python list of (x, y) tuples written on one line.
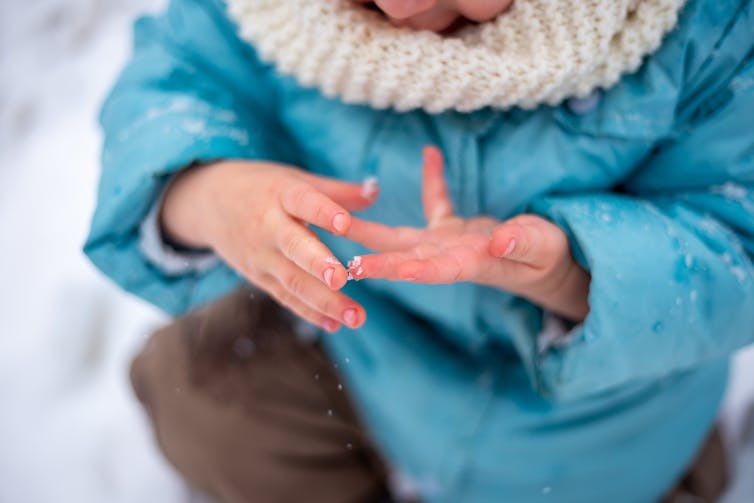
[(255, 215), (526, 255)]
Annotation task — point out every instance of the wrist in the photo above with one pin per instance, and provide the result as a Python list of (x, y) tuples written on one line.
[(185, 216), (569, 298)]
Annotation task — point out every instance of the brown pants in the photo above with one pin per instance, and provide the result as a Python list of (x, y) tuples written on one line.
[(248, 412)]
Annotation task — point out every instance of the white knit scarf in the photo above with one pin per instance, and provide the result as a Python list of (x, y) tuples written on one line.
[(539, 51)]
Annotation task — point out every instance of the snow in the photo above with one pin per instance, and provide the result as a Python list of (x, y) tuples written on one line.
[(355, 269), (369, 187), (70, 429)]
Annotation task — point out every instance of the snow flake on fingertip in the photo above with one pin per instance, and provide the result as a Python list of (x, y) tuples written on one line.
[(369, 187), (355, 269)]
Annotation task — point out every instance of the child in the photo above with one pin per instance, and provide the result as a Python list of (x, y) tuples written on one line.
[(551, 307)]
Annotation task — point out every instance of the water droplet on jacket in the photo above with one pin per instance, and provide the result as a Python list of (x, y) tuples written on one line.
[(689, 261), (546, 490), (658, 327)]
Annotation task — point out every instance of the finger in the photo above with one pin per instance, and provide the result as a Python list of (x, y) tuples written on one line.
[(285, 298), (381, 265), (432, 265), (435, 198), (301, 246), (314, 294), (379, 237), (308, 204), (535, 242), (442, 269), (352, 196)]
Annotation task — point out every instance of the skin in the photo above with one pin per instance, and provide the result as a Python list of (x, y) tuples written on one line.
[(526, 255), (256, 217), (438, 15)]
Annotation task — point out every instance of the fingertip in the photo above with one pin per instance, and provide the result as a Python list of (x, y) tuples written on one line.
[(354, 316), (334, 274), (330, 326), (502, 247), (432, 155), (356, 268), (503, 242), (340, 278), (341, 222), (370, 189), (361, 317)]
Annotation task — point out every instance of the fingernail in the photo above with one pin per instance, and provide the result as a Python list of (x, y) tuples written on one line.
[(511, 247), (330, 325), (328, 276), (349, 316), (339, 222)]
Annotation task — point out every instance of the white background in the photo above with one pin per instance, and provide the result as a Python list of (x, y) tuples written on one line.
[(70, 430)]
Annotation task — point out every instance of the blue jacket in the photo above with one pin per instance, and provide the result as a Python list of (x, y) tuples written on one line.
[(654, 186)]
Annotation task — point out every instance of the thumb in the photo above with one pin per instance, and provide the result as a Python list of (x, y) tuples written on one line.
[(529, 240), (352, 196)]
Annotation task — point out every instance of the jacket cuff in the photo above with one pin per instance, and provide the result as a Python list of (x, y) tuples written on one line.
[(161, 254), (556, 332)]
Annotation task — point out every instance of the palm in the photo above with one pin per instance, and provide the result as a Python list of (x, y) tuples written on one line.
[(449, 249)]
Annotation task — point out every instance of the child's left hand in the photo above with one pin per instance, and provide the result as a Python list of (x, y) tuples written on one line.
[(526, 255)]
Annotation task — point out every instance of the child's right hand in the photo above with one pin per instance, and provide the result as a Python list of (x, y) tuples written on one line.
[(255, 216)]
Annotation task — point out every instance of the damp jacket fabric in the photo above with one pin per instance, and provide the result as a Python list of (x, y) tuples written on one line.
[(652, 180)]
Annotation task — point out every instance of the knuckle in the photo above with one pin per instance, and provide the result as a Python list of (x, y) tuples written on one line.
[(291, 244), (250, 270), (267, 219), (321, 213), (330, 305), (298, 194), (286, 299), (314, 264), (295, 284)]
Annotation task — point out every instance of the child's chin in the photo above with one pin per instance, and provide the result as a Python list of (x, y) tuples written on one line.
[(445, 22), (439, 25)]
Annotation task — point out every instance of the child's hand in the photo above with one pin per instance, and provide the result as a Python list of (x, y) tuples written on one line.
[(255, 216), (526, 255)]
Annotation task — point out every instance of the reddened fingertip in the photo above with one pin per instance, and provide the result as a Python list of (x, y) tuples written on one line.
[(340, 223), (510, 248)]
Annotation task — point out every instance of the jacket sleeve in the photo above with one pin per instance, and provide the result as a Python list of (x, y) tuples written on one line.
[(192, 92), (670, 256)]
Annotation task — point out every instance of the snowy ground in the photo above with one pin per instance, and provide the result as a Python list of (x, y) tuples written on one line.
[(70, 430)]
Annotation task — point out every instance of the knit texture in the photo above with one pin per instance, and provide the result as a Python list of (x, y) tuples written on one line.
[(538, 51)]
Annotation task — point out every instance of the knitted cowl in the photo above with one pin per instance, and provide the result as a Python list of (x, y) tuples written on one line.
[(538, 51)]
